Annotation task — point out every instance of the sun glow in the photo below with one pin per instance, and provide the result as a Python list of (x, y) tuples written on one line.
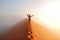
[(50, 15)]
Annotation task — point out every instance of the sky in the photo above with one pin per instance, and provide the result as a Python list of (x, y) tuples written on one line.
[(13, 11), (45, 11)]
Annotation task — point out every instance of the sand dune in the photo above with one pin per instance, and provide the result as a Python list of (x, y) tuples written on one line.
[(42, 33), (20, 32)]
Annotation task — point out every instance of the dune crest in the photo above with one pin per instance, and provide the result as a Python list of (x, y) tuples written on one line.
[(20, 32)]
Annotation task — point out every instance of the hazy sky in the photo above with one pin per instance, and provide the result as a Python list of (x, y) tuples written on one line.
[(11, 11)]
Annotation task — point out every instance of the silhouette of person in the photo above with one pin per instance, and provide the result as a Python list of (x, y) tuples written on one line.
[(29, 17)]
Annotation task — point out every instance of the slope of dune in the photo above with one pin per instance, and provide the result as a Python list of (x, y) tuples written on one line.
[(42, 33), (20, 32), (17, 32)]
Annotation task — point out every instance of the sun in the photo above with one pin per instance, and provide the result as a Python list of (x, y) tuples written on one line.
[(50, 15)]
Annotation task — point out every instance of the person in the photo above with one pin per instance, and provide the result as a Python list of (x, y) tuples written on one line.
[(29, 17)]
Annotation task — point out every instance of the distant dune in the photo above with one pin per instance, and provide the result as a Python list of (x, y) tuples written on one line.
[(20, 32)]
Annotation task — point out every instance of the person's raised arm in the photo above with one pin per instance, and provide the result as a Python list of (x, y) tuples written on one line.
[(31, 15)]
